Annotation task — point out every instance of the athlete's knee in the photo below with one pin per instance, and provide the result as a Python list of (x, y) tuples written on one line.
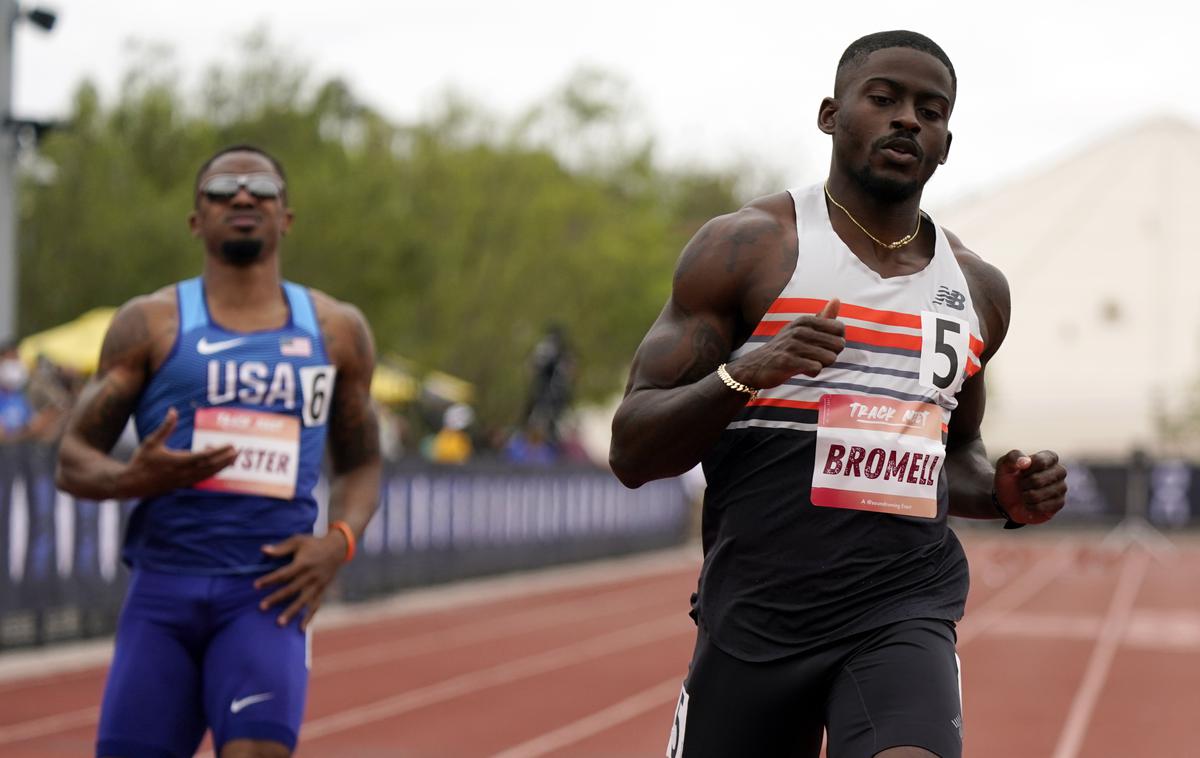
[(906, 751), (255, 749)]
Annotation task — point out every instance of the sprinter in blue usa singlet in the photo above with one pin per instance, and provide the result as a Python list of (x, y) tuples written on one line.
[(235, 380)]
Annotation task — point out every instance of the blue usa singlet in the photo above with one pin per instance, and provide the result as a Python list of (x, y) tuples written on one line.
[(268, 393)]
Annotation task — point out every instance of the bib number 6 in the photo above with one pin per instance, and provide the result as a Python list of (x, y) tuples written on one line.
[(316, 384), (944, 342)]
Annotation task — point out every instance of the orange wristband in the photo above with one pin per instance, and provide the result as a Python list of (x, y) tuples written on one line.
[(344, 528)]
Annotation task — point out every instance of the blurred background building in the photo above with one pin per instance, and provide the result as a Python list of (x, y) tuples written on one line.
[(1102, 256)]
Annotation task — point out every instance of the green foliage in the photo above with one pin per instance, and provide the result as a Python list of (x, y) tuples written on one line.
[(461, 237)]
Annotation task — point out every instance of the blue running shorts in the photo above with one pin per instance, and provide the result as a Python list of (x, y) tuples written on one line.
[(195, 652)]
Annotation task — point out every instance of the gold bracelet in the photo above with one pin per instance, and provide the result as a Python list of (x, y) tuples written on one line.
[(734, 384)]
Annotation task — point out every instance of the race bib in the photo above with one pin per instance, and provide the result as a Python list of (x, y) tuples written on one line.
[(878, 454), (268, 446)]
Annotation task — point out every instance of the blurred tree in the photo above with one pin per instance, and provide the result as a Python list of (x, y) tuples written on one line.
[(460, 236)]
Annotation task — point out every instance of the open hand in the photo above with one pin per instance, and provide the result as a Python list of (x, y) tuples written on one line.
[(315, 561), (156, 468)]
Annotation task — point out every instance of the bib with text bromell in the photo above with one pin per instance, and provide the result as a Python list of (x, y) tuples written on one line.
[(878, 454)]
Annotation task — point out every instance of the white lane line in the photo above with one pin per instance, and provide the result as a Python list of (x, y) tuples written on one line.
[(59, 722), (494, 676), (494, 589), (1048, 626), (661, 695), (1133, 571), (399, 648), (20, 668), (1016, 593), (499, 627)]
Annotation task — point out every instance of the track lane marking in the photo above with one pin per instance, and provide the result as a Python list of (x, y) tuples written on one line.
[(472, 632), (657, 570), (661, 695), (1016, 593), (22, 668), (47, 725), (494, 676), (1120, 609)]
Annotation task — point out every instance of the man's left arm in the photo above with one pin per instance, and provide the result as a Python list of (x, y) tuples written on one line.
[(1025, 489), (354, 489)]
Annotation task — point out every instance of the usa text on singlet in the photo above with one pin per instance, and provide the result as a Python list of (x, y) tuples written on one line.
[(268, 393)]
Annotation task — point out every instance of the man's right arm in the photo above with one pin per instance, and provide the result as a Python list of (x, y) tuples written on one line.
[(85, 468), (675, 405)]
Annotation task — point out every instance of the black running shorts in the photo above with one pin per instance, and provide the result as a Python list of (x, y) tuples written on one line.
[(889, 687)]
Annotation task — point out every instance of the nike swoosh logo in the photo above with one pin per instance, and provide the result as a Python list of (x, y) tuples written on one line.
[(204, 347), (249, 700)]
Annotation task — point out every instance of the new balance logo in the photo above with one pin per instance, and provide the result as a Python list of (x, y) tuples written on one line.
[(249, 700), (950, 298), (958, 722), (204, 347)]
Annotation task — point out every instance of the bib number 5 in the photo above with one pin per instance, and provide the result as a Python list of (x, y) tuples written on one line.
[(944, 342)]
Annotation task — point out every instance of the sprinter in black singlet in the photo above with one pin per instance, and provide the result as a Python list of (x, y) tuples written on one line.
[(823, 355)]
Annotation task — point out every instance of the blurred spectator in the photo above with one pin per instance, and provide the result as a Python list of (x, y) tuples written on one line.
[(570, 444), (531, 446), (16, 414), (393, 429), (553, 369), (452, 444), (51, 393)]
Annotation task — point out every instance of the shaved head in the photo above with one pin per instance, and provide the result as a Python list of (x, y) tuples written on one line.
[(858, 51)]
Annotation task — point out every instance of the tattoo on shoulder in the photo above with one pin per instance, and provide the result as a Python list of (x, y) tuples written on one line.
[(741, 238)]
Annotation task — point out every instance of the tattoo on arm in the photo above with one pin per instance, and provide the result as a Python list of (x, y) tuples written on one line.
[(112, 394), (354, 435), (709, 348), (354, 431)]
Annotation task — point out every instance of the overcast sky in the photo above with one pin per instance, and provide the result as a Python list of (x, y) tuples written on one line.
[(718, 81)]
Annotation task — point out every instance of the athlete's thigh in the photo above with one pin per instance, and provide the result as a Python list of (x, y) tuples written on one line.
[(152, 705), (901, 688), (255, 671), (731, 707)]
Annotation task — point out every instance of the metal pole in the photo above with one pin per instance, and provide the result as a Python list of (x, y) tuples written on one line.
[(8, 161)]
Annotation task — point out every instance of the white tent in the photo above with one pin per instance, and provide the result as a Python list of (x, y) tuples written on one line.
[(1102, 252)]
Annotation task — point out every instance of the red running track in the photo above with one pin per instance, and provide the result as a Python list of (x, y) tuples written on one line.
[(1068, 651)]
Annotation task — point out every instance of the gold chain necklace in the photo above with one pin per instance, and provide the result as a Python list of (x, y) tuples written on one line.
[(889, 245)]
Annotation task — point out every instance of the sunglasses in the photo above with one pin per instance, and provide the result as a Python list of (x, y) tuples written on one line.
[(225, 186)]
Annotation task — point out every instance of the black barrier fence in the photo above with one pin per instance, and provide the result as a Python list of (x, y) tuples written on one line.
[(1165, 493), (61, 576)]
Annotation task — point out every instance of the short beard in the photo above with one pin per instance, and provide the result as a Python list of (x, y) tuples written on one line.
[(886, 190), (242, 252)]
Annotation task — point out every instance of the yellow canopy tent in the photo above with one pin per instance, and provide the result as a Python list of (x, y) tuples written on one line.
[(449, 387), (393, 386), (76, 345)]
